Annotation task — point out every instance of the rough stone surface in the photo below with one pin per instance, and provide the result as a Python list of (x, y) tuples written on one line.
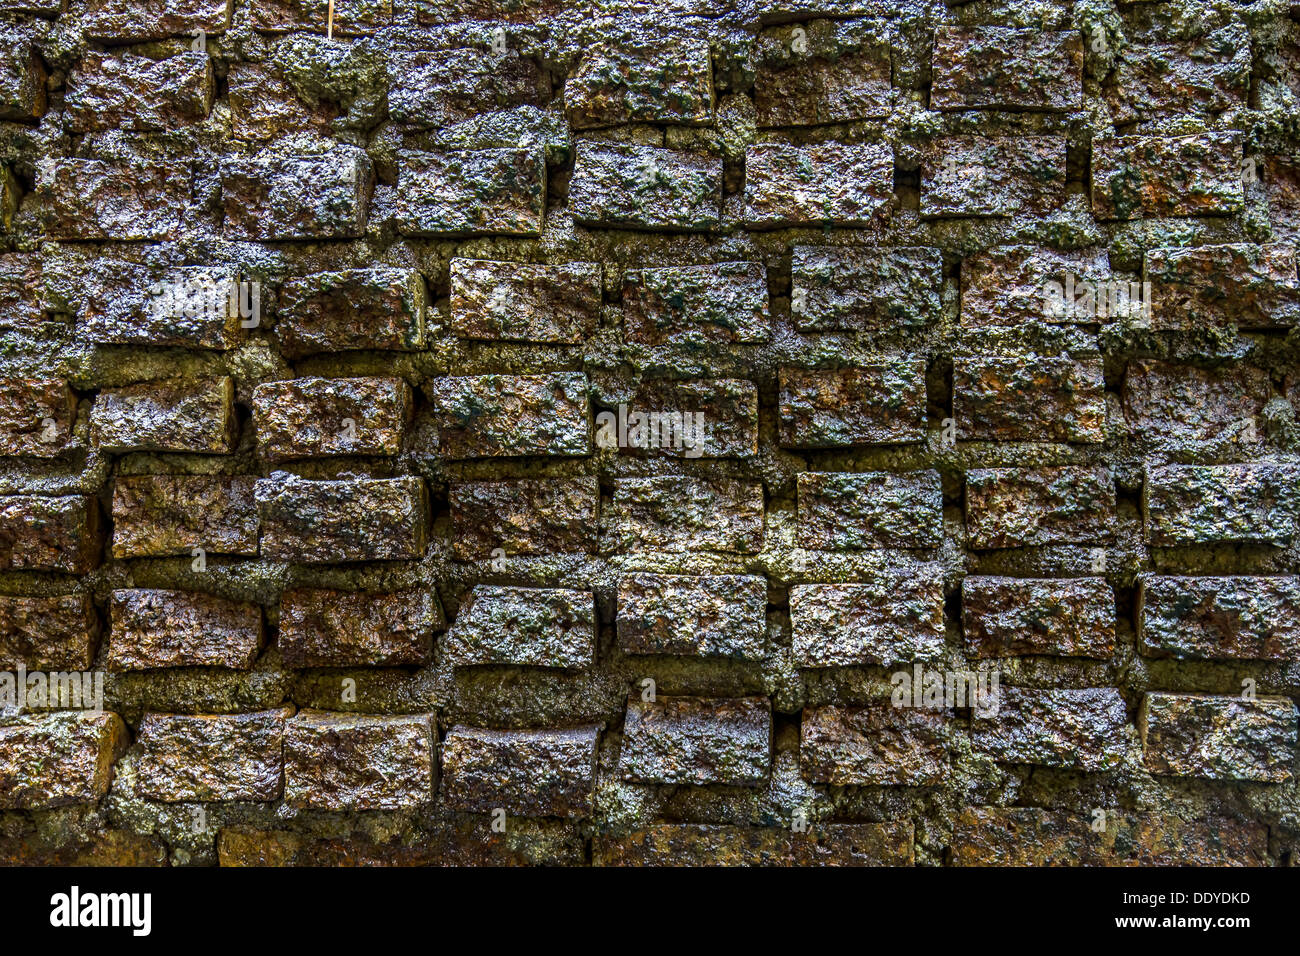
[(1220, 618), (645, 187), (533, 773), (1087, 729), (48, 633), (894, 620), (823, 71), (54, 760), (160, 515), (156, 628), (273, 198), (698, 741), (523, 302), (1252, 287), (853, 512), (355, 309), (698, 844), (1219, 738), (368, 519), (537, 627), (838, 289), (992, 176), (834, 184), (504, 416), (471, 192), (726, 302), (49, 534), (713, 616), (1137, 177), (211, 757), (1006, 617), (875, 745), (1045, 399), (329, 628), (166, 416), (990, 67), (349, 762), (877, 404), (1012, 507), (525, 517), (319, 417), (677, 514), (1198, 504)]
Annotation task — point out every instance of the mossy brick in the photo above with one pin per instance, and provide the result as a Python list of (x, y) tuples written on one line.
[(322, 417), (1085, 729), (272, 198), (645, 187), (697, 741), (264, 106), (878, 403), (992, 176), (344, 17), (550, 772), (1219, 617), (22, 80), (164, 515), (126, 303), (166, 416), (1033, 507), (1157, 76), (1015, 285), (874, 745), (20, 291), (823, 71), (857, 288), (704, 844), (719, 302), (36, 417), (1206, 504), (114, 199), (1282, 188), (59, 759), (824, 184), (446, 12), (348, 762), (330, 521), (132, 92), (678, 514), (860, 511), (48, 633), (1236, 284), (183, 758), (678, 615), (696, 418), (437, 88), (649, 80), (138, 21), (1141, 177), (524, 517), (525, 302), (511, 416), (896, 618), (379, 309), (472, 192), (1006, 68), (1219, 738), (534, 627), (1174, 406), (1052, 617), (1035, 398), (154, 629), (49, 533), (326, 627)]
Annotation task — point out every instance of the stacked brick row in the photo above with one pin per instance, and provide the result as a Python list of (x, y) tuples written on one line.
[(380, 565)]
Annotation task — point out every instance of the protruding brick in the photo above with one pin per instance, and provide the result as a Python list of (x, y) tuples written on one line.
[(676, 514), (646, 82), (198, 418), (992, 176), (874, 745), (48, 633), (321, 627), (475, 192), (271, 198), (697, 740), (351, 762), (1036, 398), (525, 302), (702, 418), (506, 416), (22, 81), (1157, 75), (895, 619), (878, 404), (155, 629), (864, 288), (436, 88), (355, 309), (645, 187), (1174, 406), (36, 416), (160, 515), (55, 760), (823, 71), (264, 106), (825, 184), (1087, 729), (125, 303), (722, 615), (208, 757), (363, 519), (531, 773), (1205, 504), (1009, 286), (1136, 177), (1007, 68), (868, 510), (1249, 286), (138, 93), (1219, 738), (1059, 617), (1032, 507), (702, 844), (322, 417), (530, 516), (537, 627), (102, 199), (1220, 618), (723, 302), (39, 533)]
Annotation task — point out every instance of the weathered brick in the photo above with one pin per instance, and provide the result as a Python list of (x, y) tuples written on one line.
[(435, 88), (1220, 618), (823, 71), (1282, 186), (536, 627), (48, 633), (1219, 738), (154, 629), (1203, 504), (895, 619), (363, 519), (321, 627), (1060, 617), (531, 516), (874, 745), (166, 417), (531, 773), (55, 760), (992, 176), (1014, 285), (103, 199), (121, 21), (723, 615), (309, 417), (992, 67), (702, 844), (39, 533), (207, 757), (881, 403), (1175, 405), (704, 418), (868, 510), (525, 302), (138, 93), (677, 514), (1249, 286), (351, 762), (377, 308), (1031, 507), (160, 515), (644, 82), (864, 288), (35, 416), (697, 740), (1157, 76), (1135, 177), (348, 17), (645, 187), (1036, 398), (1086, 729), (265, 106), (831, 184), (270, 198), (722, 302), (473, 192), (505, 416), (20, 291), (22, 80), (124, 303)]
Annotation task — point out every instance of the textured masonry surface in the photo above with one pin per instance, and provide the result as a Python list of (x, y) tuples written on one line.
[(968, 335)]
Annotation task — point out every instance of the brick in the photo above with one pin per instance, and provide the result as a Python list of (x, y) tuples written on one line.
[(1009, 286), (1032, 507), (722, 302), (535, 627), (122, 21), (354, 309), (166, 417), (869, 510), (525, 302), (702, 844), (1058, 617), (322, 627), (330, 521), (992, 176), (157, 628), (530, 516), (1083, 729), (895, 619), (823, 71), (509, 416), (643, 82), (531, 773), (830, 184), (1220, 618), (1219, 738), (265, 106), (722, 615), (103, 199), (350, 17), (1032, 836), (882, 403), (308, 417), (645, 187), (678, 514), (697, 741), (873, 746), (210, 757), (20, 291), (125, 303), (1137, 177), (158, 516), (269, 198), (39, 533), (138, 93), (705, 418), (992, 67), (57, 760), (477, 192), (48, 633), (864, 288), (1249, 286), (1173, 405), (350, 762), (35, 416), (1034, 398), (1158, 76), (435, 88), (1282, 187), (22, 81), (1204, 504)]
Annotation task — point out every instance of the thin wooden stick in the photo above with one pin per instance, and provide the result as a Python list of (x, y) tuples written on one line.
[(329, 30)]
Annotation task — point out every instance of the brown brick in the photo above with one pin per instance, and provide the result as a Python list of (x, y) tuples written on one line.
[(645, 187), (1157, 76), (1036, 398), (22, 81), (1220, 618), (211, 757), (721, 615), (530, 516), (697, 740), (436, 88), (1170, 405), (48, 633), (505, 416), (1219, 738), (101, 199), (992, 67), (354, 309), (271, 198), (699, 844), (882, 403), (166, 417), (350, 762), (156, 628), (651, 81), (125, 303), (54, 760), (309, 417), (992, 176), (704, 418), (1060, 617), (722, 302), (1249, 286), (1135, 177), (49, 534), (1013, 285), (476, 192), (1085, 729), (21, 304), (525, 302), (350, 17), (364, 519), (832, 184), (895, 619), (823, 71), (874, 745), (869, 510), (532, 773), (138, 93), (161, 515), (265, 106), (1203, 504), (864, 288), (320, 627), (536, 627), (121, 21), (1031, 507), (677, 514)]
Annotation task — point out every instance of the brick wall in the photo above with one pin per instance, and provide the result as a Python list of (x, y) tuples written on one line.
[(969, 336)]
